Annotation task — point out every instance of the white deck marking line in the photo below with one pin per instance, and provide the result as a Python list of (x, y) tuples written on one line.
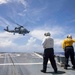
[(40, 56), (21, 63)]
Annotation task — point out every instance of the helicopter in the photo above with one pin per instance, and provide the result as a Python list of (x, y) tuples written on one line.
[(20, 29)]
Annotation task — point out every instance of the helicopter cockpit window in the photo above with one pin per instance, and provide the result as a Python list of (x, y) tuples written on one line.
[(16, 29), (22, 28)]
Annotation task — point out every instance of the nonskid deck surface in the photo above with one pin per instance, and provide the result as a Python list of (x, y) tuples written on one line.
[(27, 64)]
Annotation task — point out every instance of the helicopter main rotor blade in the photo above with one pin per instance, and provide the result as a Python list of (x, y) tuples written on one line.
[(14, 22)]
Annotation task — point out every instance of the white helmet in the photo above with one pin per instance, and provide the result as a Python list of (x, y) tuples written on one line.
[(69, 36)]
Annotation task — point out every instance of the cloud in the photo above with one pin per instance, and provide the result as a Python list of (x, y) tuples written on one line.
[(7, 43), (19, 7), (22, 7), (31, 41), (6, 39), (4, 1), (31, 44), (58, 42), (8, 35), (55, 33), (19, 1), (23, 2), (39, 33)]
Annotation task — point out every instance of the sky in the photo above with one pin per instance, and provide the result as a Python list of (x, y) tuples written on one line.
[(38, 16)]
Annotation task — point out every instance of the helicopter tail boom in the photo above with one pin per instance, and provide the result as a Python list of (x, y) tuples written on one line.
[(7, 29)]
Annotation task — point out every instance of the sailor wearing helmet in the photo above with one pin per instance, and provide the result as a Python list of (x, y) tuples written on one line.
[(48, 45), (67, 45)]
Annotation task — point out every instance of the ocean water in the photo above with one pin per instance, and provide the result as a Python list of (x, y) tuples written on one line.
[(61, 53)]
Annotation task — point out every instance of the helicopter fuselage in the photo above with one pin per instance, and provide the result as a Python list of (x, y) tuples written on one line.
[(20, 30)]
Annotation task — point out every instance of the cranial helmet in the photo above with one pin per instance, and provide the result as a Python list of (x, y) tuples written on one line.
[(69, 36), (47, 34)]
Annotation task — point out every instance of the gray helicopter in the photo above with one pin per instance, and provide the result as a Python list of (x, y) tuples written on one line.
[(20, 29)]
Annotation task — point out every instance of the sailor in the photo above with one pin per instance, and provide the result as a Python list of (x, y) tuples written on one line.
[(67, 45), (48, 45)]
